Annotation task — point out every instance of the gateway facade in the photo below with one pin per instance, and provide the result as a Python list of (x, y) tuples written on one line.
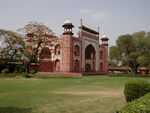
[(75, 55)]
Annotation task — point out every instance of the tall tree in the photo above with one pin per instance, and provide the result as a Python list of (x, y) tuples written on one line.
[(36, 35), (11, 47), (131, 50), (114, 56), (143, 47)]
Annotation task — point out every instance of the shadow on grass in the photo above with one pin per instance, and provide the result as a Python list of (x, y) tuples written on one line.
[(14, 110)]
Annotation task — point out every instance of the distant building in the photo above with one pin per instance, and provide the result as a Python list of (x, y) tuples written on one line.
[(75, 55)]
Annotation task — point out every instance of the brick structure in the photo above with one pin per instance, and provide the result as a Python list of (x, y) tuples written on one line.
[(76, 55)]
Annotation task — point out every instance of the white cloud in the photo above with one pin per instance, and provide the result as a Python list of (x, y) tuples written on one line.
[(94, 15), (99, 15), (85, 11)]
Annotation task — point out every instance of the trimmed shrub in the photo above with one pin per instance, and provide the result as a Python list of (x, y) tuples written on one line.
[(32, 72), (135, 89), (5, 71), (141, 105)]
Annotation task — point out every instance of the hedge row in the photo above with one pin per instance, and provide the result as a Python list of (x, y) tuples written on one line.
[(20, 71), (5, 73), (141, 105), (126, 75)]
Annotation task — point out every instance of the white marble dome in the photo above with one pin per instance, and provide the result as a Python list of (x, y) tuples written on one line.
[(68, 22), (104, 36)]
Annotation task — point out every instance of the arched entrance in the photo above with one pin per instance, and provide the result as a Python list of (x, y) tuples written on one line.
[(90, 58), (76, 65), (87, 68), (57, 65), (90, 52)]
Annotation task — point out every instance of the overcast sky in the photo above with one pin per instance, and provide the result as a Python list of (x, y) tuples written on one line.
[(114, 17)]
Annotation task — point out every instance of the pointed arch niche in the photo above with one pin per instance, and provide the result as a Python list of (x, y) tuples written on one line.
[(101, 55), (76, 65), (76, 50), (57, 49), (101, 67), (57, 65)]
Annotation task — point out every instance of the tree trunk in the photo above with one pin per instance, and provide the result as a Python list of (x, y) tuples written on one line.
[(27, 67), (134, 70)]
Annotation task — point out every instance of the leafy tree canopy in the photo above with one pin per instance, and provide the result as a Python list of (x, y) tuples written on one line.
[(131, 50), (36, 36), (11, 46), (25, 45)]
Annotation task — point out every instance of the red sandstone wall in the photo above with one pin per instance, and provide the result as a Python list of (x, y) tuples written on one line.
[(45, 66), (33, 67)]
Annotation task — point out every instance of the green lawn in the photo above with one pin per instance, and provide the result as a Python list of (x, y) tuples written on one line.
[(89, 94)]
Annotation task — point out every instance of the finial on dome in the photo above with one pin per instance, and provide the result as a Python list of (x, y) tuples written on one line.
[(81, 21)]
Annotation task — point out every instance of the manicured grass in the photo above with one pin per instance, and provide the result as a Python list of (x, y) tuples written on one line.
[(52, 94)]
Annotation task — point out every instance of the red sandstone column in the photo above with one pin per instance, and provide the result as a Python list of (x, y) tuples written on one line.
[(67, 54), (105, 44), (67, 49)]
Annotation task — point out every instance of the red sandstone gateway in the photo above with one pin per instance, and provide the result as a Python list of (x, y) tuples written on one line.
[(75, 55)]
